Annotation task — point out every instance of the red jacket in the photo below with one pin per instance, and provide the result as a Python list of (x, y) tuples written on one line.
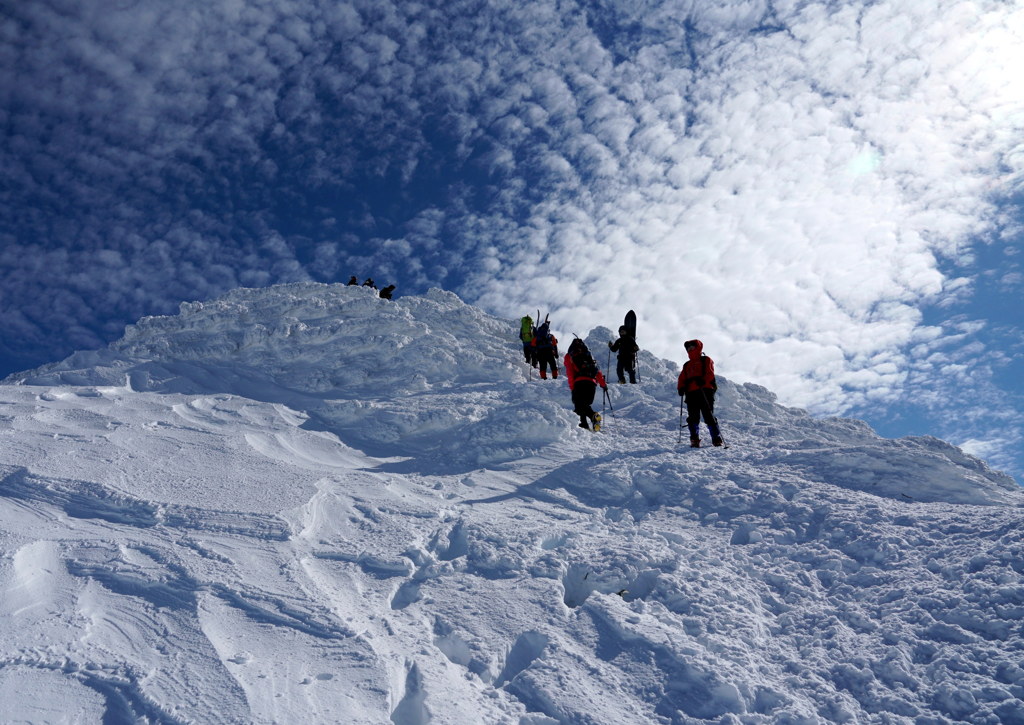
[(571, 374), (698, 372)]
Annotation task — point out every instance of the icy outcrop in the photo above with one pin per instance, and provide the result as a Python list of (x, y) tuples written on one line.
[(312, 338)]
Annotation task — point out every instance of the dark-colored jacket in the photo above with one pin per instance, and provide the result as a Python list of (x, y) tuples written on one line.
[(625, 347), (544, 340)]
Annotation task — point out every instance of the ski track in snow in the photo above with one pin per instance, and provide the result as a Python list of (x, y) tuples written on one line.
[(306, 504)]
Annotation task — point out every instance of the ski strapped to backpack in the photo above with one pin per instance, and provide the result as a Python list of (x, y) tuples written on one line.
[(543, 336)]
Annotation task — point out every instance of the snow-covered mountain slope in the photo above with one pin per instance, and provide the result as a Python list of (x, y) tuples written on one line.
[(307, 504)]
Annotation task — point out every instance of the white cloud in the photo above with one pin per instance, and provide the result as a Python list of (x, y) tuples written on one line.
[(810, 196), (784, 180)]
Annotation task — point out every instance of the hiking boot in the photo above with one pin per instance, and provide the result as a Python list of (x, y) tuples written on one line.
[(543, 375), (716, 440), (695, 443), (597, 421), (583, 424)]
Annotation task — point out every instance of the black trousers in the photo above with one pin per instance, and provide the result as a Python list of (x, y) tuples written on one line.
[(624, 366), (546, 357), (701, 403), (583, 399)]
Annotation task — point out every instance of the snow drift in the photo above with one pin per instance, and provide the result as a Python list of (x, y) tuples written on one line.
[(308, 504)]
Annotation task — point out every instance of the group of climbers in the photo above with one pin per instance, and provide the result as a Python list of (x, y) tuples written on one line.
[(696, 382), (385, 293), (540, 346)]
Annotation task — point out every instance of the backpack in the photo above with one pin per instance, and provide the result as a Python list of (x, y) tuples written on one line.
[(703, 374), (584, 362), (526, 329)]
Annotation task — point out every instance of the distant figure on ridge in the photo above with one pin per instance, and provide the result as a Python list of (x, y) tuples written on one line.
[(526, 333), (387, 292), (545, 350), (369, 283), (626, 349), (352, 280), (697, 385), (584, 378)]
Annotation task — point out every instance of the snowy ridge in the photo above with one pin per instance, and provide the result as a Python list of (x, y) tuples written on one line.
[(307, 504), (407, 373), (434, 375)]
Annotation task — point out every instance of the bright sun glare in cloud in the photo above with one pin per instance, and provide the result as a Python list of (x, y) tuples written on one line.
[(865, 162)]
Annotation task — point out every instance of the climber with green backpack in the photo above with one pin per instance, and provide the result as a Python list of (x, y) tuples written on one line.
[(526, 333)]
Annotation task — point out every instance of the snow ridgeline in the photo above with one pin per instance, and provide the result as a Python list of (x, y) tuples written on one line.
[(432, 375), (307, 504), (407, 373)]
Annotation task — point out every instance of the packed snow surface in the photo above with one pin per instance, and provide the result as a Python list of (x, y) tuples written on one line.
[(305, 504)]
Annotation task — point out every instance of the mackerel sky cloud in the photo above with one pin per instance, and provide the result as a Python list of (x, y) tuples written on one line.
[(828, 194)]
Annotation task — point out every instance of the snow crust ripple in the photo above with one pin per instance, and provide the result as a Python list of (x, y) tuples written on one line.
[(307, 504)]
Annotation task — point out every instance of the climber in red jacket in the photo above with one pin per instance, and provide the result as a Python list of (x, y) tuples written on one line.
[(697, 385)]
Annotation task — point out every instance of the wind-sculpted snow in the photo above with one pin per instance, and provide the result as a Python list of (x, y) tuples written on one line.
[(317, 339), (394, 376), (307, 504)]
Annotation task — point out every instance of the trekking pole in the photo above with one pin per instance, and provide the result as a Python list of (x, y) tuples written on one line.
[(679, 442), (608, 398)]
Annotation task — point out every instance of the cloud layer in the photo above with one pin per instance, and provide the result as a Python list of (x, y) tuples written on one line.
[(803, 185)]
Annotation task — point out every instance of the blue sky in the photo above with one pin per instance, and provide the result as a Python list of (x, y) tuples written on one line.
[(828, 194)]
